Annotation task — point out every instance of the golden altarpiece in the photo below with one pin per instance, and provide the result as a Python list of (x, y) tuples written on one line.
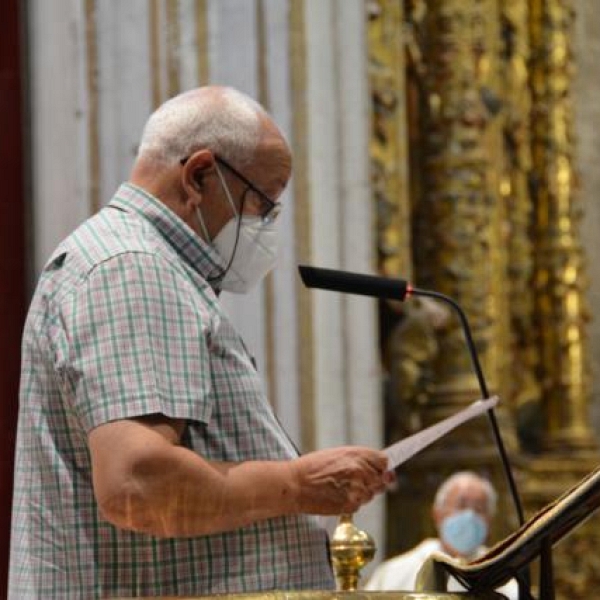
[(479, 201)]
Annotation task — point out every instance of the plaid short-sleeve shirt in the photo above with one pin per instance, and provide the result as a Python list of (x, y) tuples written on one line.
[(123, 323)]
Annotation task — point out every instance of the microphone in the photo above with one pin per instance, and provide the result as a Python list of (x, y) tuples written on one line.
[(354, 283), (399, 289)]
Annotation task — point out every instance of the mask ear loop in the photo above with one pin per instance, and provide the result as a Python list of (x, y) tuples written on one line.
[(221, 275), (202, 225)]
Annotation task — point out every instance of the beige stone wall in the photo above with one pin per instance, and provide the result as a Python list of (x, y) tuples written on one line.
[(587, 98)]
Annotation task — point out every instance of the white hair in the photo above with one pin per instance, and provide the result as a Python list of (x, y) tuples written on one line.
[(221, 119), (464, 477)]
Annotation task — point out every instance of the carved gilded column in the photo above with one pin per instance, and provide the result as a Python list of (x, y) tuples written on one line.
[(560, 279), (389, 159), (560, 282), (459, 248), (391, 196), (458, 211), (524, 389), (490, 83)]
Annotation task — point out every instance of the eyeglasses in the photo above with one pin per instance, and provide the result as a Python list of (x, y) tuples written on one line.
[(269, 209)]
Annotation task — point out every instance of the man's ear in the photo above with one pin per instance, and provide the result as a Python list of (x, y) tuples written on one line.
[(196, 168)]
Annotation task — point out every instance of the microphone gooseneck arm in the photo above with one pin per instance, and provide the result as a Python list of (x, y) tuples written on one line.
[(483, 388), (400, 289)]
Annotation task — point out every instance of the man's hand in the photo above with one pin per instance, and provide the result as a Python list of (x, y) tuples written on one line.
[(339, 480)]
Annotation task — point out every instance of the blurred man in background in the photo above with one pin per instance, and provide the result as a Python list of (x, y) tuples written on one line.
[(463, 508)]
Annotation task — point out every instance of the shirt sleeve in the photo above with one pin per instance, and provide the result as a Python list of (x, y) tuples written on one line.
[(138, 334)]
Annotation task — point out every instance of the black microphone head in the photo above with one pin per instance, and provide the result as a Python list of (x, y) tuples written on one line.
[(313, 277), (353, 283)]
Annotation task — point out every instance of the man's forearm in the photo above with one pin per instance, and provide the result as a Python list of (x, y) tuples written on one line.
[(179, 494)]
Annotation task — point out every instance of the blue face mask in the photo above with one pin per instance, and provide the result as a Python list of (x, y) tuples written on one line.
[(465, 531)]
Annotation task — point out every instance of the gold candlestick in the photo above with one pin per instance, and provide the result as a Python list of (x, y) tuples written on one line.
[(351, 550)]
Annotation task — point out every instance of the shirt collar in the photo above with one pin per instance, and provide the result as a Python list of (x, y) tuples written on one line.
[(186, 242)]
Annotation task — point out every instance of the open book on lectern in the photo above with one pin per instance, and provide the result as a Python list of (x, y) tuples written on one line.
[(506, 558)]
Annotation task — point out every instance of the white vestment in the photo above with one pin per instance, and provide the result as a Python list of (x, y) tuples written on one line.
[(400, 573)]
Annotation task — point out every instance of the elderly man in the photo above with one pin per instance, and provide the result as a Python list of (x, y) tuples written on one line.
[(463, 508), (148, 460)]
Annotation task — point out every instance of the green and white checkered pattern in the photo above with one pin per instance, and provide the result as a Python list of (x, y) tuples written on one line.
[(123, 324)]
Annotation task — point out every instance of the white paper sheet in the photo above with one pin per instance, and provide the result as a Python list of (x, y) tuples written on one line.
[(404, 449)]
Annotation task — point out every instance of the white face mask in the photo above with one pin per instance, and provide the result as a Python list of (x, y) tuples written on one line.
[(256, 251)]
